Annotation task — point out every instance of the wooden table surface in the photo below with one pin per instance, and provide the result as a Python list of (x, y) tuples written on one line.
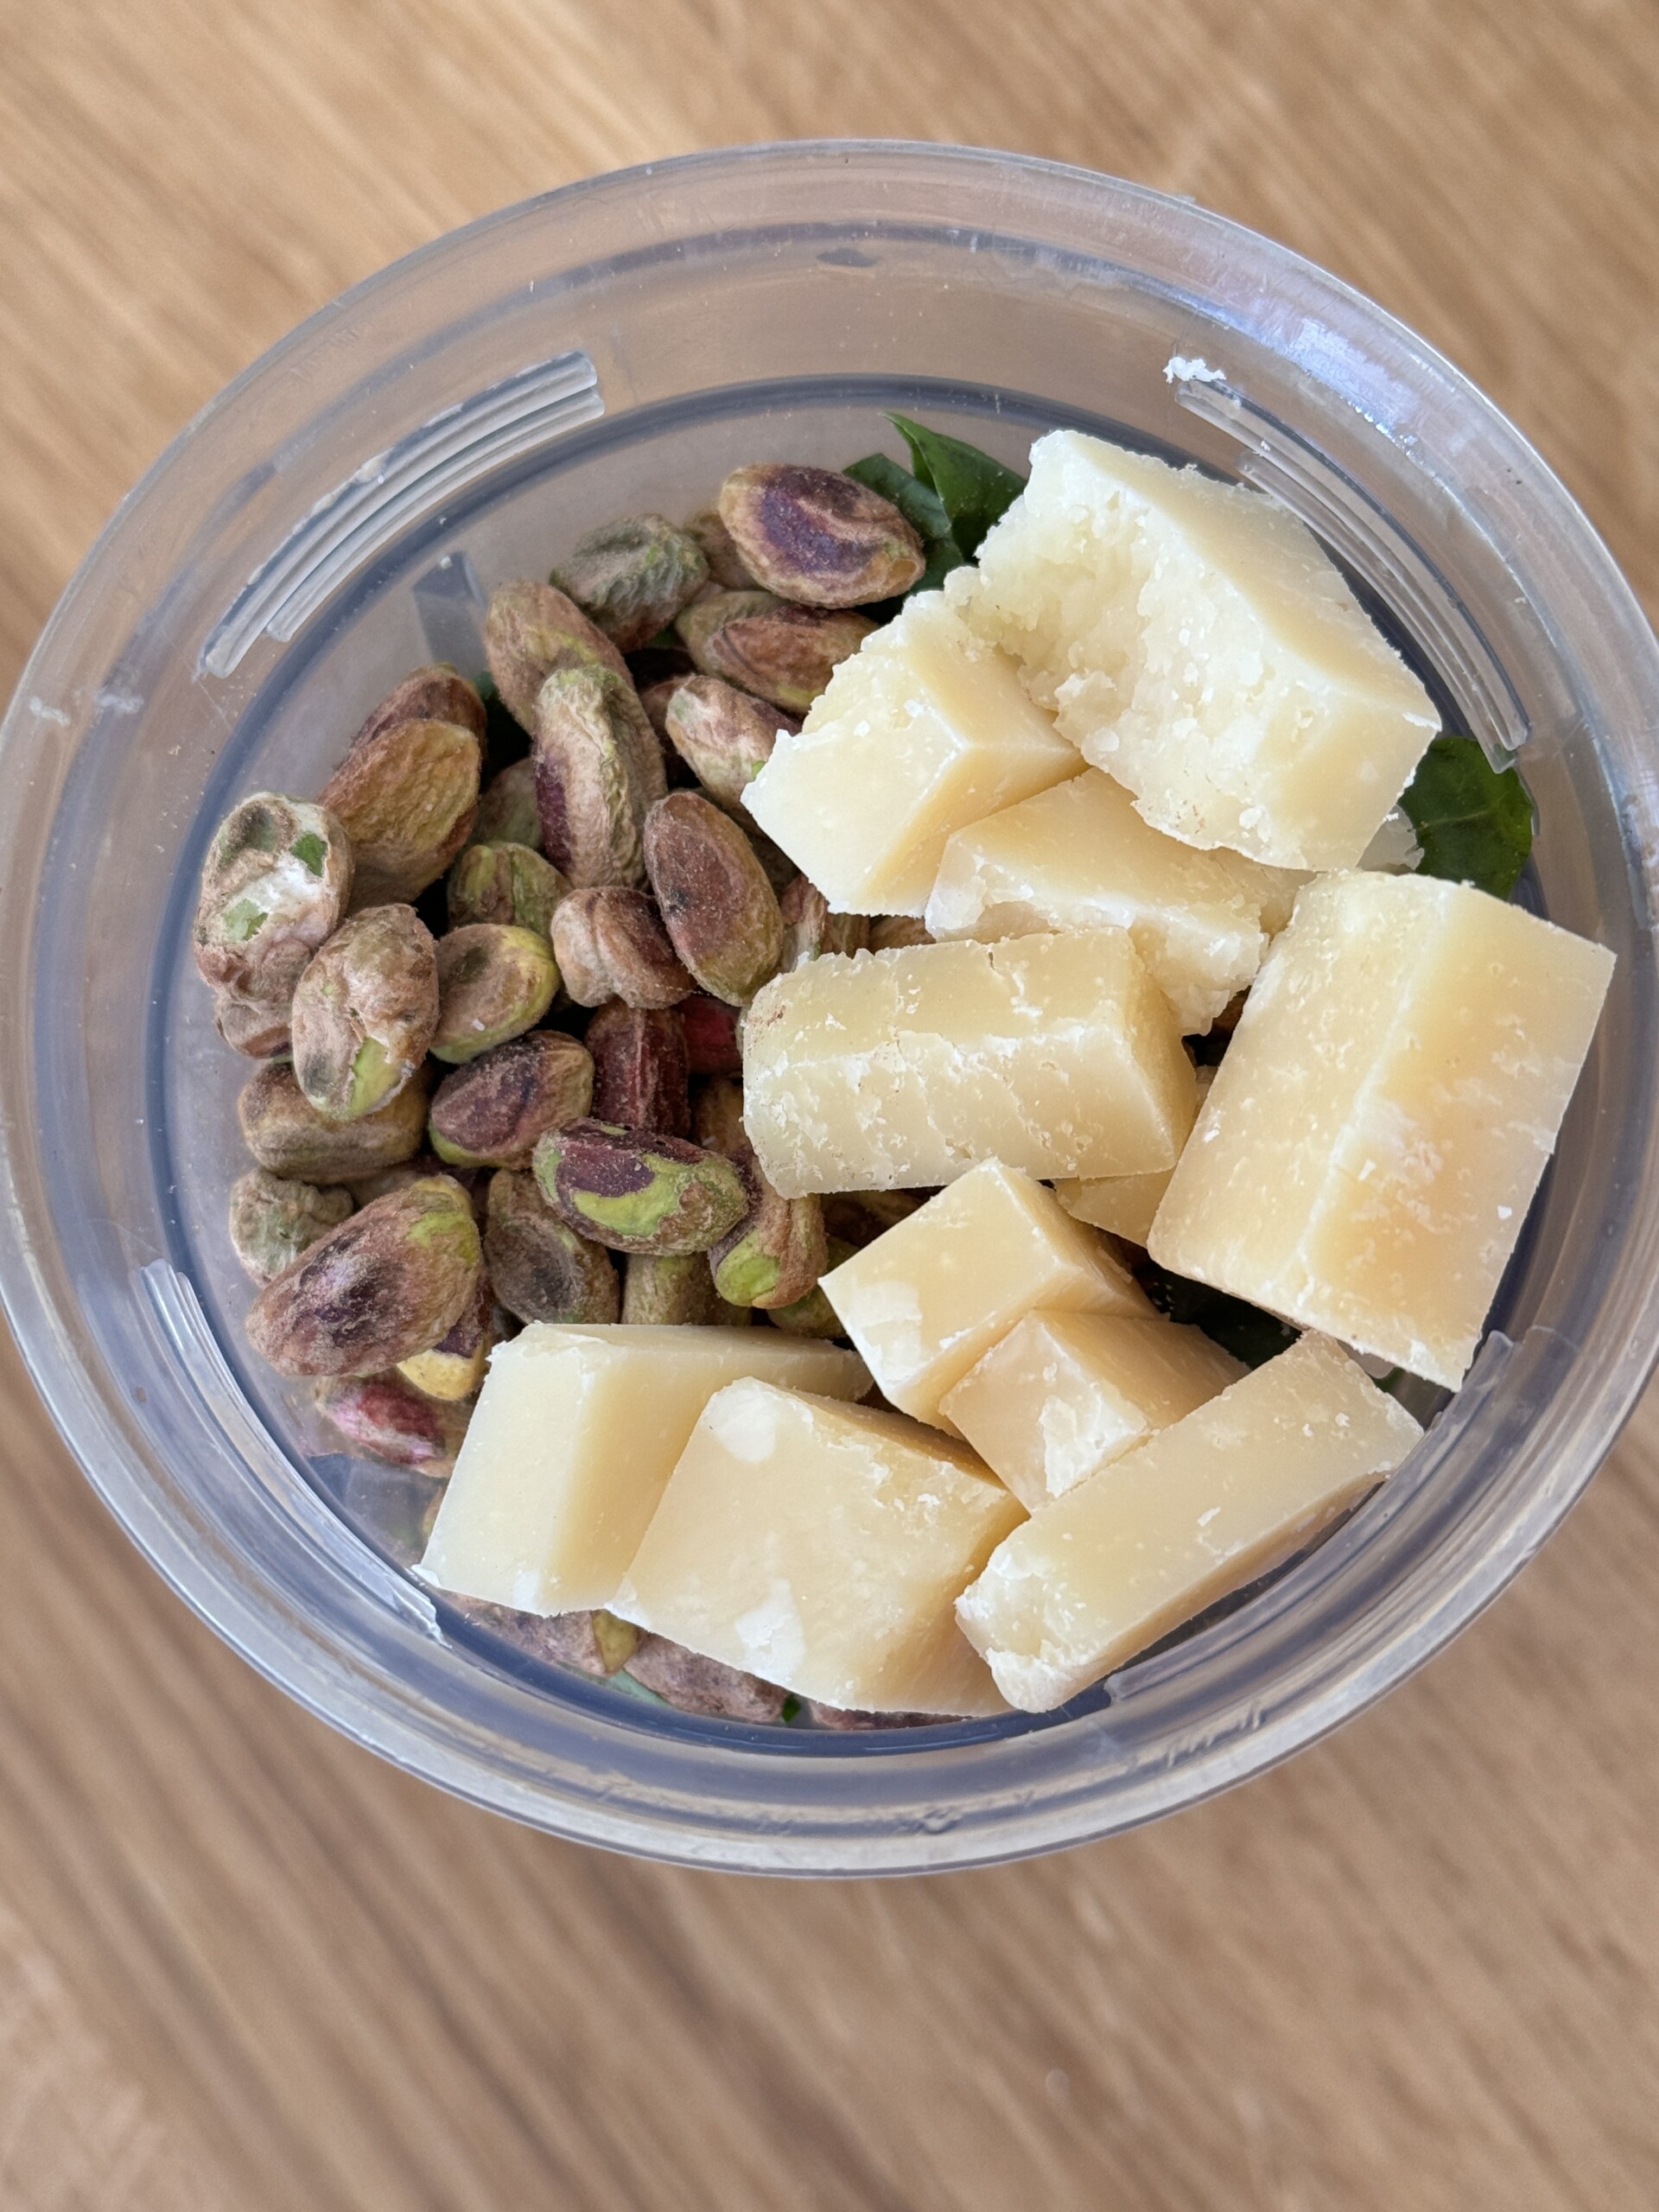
[(243, 1964)]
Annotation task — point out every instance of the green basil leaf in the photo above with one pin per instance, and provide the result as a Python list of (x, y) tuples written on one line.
[(1245, 1330), (1473, 822), (975, 490)]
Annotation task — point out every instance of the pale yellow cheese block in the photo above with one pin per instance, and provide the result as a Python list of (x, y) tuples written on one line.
[(1078, 855), (1058, 1054), (822, 1546), (1373, 1138), (1064, 1394), (1124, 1206), (1194, 638), (573, 1439), (933, 1294), (925, 728), (1202, 1507)]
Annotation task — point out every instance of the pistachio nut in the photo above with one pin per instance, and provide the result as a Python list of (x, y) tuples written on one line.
[(783, 653), (717, 1118), (594, 1644), (274, 1219), (365, 1012), (636, 1191), (845, 1722), (818, 537), (274, 886), (531, 629), (719, 909), (494, 981), (724, 735), (599, 766), (726, 567), (893, 932), (810, 929), (285, 1133), (542, 1268), (609, 942), (507, 813), (712, 1043), (776, 1253), (453, 1367), (665, 1291), (406, 798), (391, 1280), (858, 1217), (639, 1071), (437, 694), (415, 1169), (654, 698), (813, 1315), (250, 1025), (693, 1684), (490, 1113), (504, 883), (632, 577), (385, 1417)]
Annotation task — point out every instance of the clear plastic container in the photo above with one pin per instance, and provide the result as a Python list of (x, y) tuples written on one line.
[(337, 515)]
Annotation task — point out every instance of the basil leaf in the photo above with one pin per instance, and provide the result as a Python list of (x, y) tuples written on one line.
[(1473, 822), (921, 507), (975, 490), (1245, 1330)]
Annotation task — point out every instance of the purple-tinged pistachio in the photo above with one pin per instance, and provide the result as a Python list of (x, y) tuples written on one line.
[(818, 537), (844, 1721), (675, 1290), (274, 886), (384, 1417), (631, 578), (655, 697), (504, 883), (542, 1268), (776, 1253), (251, 1027), (895, 932), (782, 653), (810, 929), (407, 798), (717, 1118), (609, 942), (533, 629), (640, 1078), (813, 1315), (494, 981), (507, 813), (639, 1189), (437, 694), (490, 1113), (720, 911), (453, 1367), (365, 1012), (599, 768), (389, 1282), (274, 1219), (858, 1217), (713, 1046), (724, 735), (726, 567), (285, 1133), (594, 1643), (693, 1684)]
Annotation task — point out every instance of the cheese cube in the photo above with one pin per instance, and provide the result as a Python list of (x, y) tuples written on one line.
[(822, 1546), (1205, 1506), (571, 1444), (1064, 1394), (1079, 855), (881, 1071), (1123, 1205), (925, 728), (1194, 638), (930, 1296), (1374, 1135)]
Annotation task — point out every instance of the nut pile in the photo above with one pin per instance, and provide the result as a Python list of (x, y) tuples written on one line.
[(496, 975)]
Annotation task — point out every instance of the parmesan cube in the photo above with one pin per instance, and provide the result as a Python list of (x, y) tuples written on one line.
[(822, 1546), (571, 1444), (932, 1295), (1205, 1506), (1193, 638), (881, 1071), (1123, 1205), (1079, 855), (1373, 1138), (925, 728), (1064, 1394)]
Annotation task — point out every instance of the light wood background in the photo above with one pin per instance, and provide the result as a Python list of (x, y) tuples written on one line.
[(243, 1965)]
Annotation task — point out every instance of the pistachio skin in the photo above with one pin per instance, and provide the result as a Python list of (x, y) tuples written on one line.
[(531, 629), (273, 887), (273, 1219), (783, 653), (494, 981), (810, 929), (713, 1045), (639, 1189), (693, 1684), (507, 814), (891, 932), (640, 1077), (726, 567), (406, 798), (818, 537), (665, 1292), (858, 1217), (776, 1253), (492, 1112), (453, 1367), (631, 578), (599, 768), (385, 1417), (365, 1012), (609, 942), (596, 1643), (813, 1315), (437, 694), (503, 882), (542, 1268), (250, 1026), (285, 1133), (721, 912), (725, 736)]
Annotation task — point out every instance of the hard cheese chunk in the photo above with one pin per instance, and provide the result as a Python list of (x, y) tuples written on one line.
[(573, 1439), (1206, 1505), (1124, 1206), (822, 1546), (930, 1296), (1373, 1138), (926, 726), (1193, 638), (1079, 855), (880, 1070), (1064, 1394)]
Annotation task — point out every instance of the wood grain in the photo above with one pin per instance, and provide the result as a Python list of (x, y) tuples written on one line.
[(242, 1964)]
